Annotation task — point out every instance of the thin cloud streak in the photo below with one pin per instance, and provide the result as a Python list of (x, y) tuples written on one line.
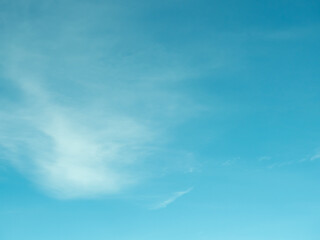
[(170, 200), (315, 157)]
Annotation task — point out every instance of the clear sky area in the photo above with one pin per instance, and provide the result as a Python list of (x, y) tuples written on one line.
[(159, 120)]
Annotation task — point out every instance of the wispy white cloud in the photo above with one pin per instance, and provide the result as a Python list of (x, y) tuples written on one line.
[(307, 159), (315, 157), (74, 152), (85, 110), (170, 200)]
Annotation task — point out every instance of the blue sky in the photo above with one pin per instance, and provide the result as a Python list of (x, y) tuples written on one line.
[(159, 120)]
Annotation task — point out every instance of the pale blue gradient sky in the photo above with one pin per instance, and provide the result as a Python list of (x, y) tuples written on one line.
[(159, 120)]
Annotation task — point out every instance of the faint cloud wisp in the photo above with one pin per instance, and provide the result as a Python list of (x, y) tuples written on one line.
[(170, 200)]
